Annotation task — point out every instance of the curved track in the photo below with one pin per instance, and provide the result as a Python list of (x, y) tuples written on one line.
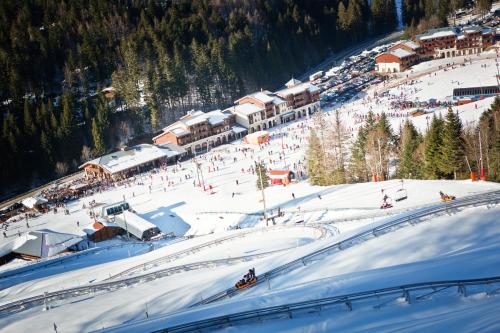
[(393, 223), (107, 286), (325, 232), (410, 293)]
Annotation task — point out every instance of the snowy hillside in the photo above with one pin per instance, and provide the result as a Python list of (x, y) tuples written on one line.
[(220, 234)]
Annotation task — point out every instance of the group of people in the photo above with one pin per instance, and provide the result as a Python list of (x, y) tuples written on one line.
[(247, 278)]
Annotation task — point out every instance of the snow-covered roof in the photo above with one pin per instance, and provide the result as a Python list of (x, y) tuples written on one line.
[(437, 33), (263, 97), (91, 228), (247, 108), (135, 224), (472, 29), (45, 243), (411, 44), (401, 53), (238, 129), (33, 201), (195, 120), (179, 131), (292, 82), (213, 117), (278, 101), (298, 89), (131, 157)]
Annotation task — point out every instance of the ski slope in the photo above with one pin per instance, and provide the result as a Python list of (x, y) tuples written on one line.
[(348, 270), (462, 244)]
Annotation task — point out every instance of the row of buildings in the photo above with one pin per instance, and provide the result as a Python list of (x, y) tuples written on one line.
[(436, 43), (197, 130)]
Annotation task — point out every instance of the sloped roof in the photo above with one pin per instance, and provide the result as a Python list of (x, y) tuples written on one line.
[(292, 82), (45, 243), (298, 89), (131, 157), (247, 108), (33, 201), (436, 33)]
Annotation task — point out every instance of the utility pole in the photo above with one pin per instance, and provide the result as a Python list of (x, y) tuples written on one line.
[(257, 166)]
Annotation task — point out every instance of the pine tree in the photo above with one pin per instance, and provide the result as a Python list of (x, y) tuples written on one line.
[(262, 177), (409, 165), (432, 150), (315, 156), (358, 169), (97, 139), (29, 125), (452, 148), (47, 149), (67, 123)]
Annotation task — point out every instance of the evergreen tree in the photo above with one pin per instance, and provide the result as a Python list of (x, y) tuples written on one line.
[(432, 151), (315, 156), (489, 127), (452, 147), (409, 165), (97, 139), (29, 125), (262, 177), (357, 165), (47, 149)]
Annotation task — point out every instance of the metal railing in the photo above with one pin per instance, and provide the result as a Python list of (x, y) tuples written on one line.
[(398, 221), (408, 292), (46, 298), (20, 305), (194, 249)]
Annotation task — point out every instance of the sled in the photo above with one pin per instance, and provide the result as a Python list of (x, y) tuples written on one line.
[(448, 198), (246, 284)]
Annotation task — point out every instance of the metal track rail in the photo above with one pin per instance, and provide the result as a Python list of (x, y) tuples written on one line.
[(396, 222), (410, 293), (174, 256), (108, 286)]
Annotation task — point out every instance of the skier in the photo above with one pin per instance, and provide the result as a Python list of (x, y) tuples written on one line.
[(293, 195)]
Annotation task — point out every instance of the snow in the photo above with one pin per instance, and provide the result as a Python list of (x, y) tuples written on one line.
[(437, 33), (33, 201), (460, 244), (401, 53), (132, 157), (263, 97), (298, 89), (411, 44), (247, 109)]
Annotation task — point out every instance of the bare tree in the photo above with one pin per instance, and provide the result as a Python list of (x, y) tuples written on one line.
[(86, 154), (61, 168)]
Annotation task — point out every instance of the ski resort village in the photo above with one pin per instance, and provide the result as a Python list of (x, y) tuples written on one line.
[(362, 196)]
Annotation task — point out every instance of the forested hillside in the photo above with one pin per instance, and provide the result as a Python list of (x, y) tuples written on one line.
[(163, 58)]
